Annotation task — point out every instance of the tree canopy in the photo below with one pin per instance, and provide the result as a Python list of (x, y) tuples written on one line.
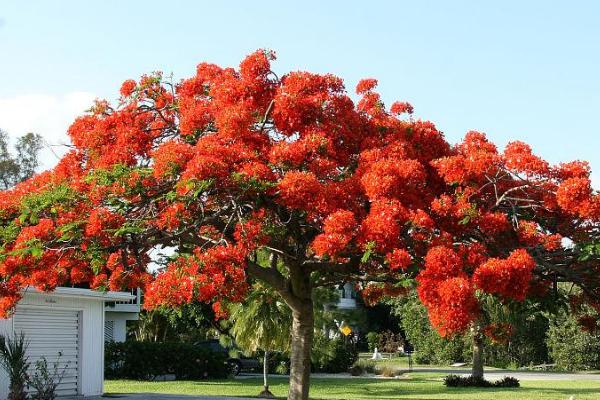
[(336, 189)]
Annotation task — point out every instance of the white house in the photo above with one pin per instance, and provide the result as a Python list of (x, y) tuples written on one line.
[(347, 299), (118, 313), (67, 324)]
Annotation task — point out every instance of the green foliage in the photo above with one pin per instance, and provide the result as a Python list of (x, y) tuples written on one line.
[(365, 366), (17, 168), (35, 205), (429, 347), (189, 323), (279, 363), (45, 381), (471, 381), (332, 355), (373, 339), (589, 250), (15, 363), (262, 322), (368, 251), (570, 347), (524, 347), (148, 360), (529, 324)]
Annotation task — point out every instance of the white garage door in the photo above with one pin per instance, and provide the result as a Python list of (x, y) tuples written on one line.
[(53, 334)]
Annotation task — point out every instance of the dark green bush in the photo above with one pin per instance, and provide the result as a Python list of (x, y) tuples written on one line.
[(507, 381), (332, 355), (524, 347), (471, 381), (148, 360), (570, 346)]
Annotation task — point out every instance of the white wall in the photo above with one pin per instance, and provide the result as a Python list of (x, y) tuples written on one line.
[(5, 329), (120, 324), (92, 337)]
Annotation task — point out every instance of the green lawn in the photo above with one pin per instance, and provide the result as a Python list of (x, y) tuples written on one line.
[(414, 386)]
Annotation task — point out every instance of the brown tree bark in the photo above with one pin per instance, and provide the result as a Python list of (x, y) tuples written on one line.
[(477, 370), (302, 337), (303, 328)]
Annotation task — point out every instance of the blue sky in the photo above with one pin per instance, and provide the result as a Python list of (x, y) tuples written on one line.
[(525, 70)]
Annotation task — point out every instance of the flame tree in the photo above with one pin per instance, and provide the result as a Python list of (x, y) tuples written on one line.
[(234, 166)]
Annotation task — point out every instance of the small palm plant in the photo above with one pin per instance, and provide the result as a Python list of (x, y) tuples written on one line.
[(15, 362), (263, 322)]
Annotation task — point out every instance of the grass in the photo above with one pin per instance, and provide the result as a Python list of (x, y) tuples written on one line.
[(411, 386)]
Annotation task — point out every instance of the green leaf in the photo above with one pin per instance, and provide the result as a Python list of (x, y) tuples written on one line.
[(368, 252), (465, 220), (36, 251)]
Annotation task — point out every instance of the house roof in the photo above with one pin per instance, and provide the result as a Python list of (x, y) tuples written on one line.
[(83, 293)]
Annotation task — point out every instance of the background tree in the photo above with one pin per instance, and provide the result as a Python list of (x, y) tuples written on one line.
[(233, 162), (189, 323), (262, 322), (15, 168)]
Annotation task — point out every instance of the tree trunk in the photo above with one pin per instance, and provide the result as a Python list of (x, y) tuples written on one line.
[(302, 337), (266, 393), (477, 371), (266, 371), (296, 290)]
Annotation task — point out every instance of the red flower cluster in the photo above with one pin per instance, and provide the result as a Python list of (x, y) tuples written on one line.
[(231, 163), (399, 259), (338, 230), (509, 278)]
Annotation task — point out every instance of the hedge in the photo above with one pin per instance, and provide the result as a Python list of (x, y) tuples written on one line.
[(149, 360)]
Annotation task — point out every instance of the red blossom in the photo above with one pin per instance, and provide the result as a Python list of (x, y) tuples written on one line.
[(366, 85), (231, 163), (508, 278), (401, 108), (128, 87)]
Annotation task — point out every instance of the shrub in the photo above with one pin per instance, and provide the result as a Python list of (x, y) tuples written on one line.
[(570, 347), (356, 370), (279, 363), (45, 381), (390, 342), (148, 360), (373, 339), (332, 355), (507, 382), (368, 366), (14, 361), (523, 346), (429, 346), (471, 381)]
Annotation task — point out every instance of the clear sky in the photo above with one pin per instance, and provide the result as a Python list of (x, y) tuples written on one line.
[(526, 70)]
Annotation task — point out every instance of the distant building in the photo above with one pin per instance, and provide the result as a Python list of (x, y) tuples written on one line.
[(116, 315), (347, 297)]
